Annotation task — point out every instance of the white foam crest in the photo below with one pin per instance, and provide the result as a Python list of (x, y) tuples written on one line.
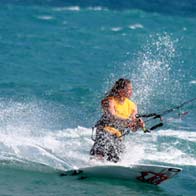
[(158, 146), (24, 133), (69, 148), (97, 8), (45, 17), (116, 29), (136, 26), (193, 82), (171, 155), (164, 146), (184, 135), (69, 8), (77, 8), (71, 144), (64, 149), (26, 148), (134, 154)]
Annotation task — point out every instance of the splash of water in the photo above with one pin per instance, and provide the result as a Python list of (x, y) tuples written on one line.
[(157, 81), (68, 149), (153, 75)]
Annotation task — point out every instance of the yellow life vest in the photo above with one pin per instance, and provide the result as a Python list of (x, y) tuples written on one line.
[(123, 110)]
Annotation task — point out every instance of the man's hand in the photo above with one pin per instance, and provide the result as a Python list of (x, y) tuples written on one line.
[(141, 123), (135, 124)]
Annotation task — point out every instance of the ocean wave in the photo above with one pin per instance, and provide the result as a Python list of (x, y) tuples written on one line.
[(185, 135), (182, 8), (170, 147), (97, 8), (45, 17), (69, 8), (78, 8), (193, 82), (26, 140), (171, 156), (47, 148), (136, 26), (116, 29), (69, 148)]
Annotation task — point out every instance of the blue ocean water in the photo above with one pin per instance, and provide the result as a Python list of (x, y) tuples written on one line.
[(57, 60)]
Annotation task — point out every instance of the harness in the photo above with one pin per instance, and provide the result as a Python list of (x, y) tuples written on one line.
[(105, 122), (114, 127)]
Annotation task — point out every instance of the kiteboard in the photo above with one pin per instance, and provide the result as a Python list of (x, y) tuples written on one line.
[(152, 174)]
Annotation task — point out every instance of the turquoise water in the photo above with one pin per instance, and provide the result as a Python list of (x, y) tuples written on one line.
[(58, 59)]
